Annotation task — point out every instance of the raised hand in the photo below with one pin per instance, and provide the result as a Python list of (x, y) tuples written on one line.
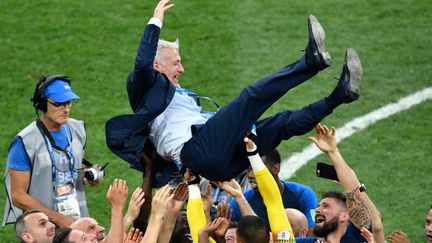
[(160, 201), (160, 9), (117, 196), (224, 211), (210, 229), (367, 235), (207, 202), (232, 187), (398, 236), (135, 203), (250, 145), (159, 210), (325, 139), (134, 236), (117, 193), (180, 195)]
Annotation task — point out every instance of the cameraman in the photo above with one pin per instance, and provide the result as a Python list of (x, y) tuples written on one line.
[(44, 166)]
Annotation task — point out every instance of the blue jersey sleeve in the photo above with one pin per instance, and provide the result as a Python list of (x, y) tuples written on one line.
[(305, 200), (309, 203), (17, 157), (235, 213), (306, 240)]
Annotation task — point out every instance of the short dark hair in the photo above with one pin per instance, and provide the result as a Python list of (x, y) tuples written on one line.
[(20, 226), (62, 236), (252, 229), (233, 225), (340, 196), (271, 158)]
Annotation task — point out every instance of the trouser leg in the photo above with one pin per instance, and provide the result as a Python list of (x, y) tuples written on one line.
[(284, 125), (210, 151)]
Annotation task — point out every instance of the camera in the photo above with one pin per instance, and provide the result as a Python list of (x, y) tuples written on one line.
[(95, 172)]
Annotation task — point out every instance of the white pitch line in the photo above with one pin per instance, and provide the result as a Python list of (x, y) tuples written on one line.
[(297, 160)]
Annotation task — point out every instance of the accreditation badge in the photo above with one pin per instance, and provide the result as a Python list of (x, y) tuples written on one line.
[(67, 200), (285, 237)]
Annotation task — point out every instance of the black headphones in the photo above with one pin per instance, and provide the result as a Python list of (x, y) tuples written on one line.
[(39, 100)]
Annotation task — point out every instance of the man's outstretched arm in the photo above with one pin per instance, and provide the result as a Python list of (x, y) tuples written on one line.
[(144, 74), (233, 188), (358, 210)]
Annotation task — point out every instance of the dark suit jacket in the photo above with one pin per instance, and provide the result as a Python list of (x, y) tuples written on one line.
[(149, 94)]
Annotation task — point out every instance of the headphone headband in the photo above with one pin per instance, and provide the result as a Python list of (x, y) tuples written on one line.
[(39, 100)]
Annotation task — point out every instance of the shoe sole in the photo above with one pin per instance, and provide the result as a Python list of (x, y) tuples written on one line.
[(355, 71), (317, 31)]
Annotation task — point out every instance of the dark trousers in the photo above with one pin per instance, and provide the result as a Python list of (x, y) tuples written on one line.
[(217, 151)]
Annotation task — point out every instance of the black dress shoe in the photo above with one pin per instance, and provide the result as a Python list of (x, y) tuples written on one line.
[(348, 87), (317, 58)]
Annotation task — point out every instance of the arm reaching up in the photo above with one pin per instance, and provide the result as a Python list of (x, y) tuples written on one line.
[(233, 188), (160, 9), (135, 203), (359, 213), (149, 157), (174, 206), (117, 196), (326, 142), (279, 223), (158, 214)]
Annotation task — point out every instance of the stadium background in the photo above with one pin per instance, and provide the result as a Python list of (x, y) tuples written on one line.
[(226, 45)]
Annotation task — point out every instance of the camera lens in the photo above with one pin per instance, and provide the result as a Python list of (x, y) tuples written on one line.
[(90, 174)]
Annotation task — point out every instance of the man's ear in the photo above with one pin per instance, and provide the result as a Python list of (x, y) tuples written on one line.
[(344, 217), (156, 66), (303, 232), (27, 237)]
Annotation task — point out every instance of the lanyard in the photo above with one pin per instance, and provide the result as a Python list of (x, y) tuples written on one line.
[(197, 97), (68, 151)]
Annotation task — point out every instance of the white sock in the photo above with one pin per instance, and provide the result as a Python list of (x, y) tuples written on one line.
[(256, 162), (194, 191)]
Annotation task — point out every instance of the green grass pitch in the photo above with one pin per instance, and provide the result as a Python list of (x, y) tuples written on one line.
[(226, 45)]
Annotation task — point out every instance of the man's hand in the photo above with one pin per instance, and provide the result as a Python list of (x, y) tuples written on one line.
[(160, 9), (326, 139), (180, 195), (117, 194), (210, 229), (250, 145), (367, 235), (224, 211), (207, 202), (232, 187), (160, 202), (135, 203), (398, 236), (134, 236)]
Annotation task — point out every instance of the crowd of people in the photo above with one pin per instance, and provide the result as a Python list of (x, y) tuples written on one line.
[(207, 177)]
